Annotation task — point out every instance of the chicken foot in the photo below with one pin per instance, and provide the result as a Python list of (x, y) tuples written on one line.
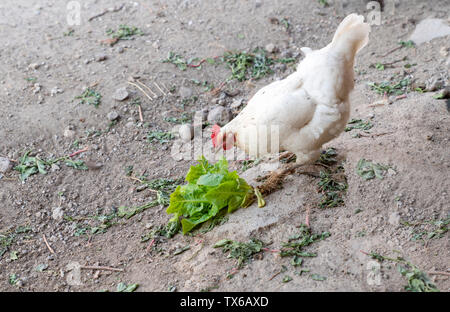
[(274, 179)]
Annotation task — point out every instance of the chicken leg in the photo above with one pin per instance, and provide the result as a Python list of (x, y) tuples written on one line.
[(274, 179)]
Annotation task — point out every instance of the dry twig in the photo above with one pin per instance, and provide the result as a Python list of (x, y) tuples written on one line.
[(109, 10), (145, 93), (87, 267), (148, 88), (46, 243), (439, 273)]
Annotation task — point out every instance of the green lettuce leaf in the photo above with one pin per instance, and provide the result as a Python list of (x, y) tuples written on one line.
[(210, 189)]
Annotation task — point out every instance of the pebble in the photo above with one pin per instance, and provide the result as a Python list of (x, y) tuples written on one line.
[(271, 48), (55, 90), (391, 172), (429, 29), (4, 164), (434, 84), (113, 115), (36, 88), (68, 133), (57, 213), (129, 124), (444, 51), (219, 115), (186, 132), (446, 93), (200, 117), (237, 103), (221, 100), (392, 99), (101, 57), (121, 94), (185, 92), (285, 54), (280, 67), (34, 66), (54, 168), (394, 218)]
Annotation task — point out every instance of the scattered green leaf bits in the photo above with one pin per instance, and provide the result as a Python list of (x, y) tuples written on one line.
[(243, 252), (124, 32), (122, 287), (358, 124), (160, 136), (91, 97), (369, 170)]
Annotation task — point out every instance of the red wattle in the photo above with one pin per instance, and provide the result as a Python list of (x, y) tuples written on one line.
[(215, 132)]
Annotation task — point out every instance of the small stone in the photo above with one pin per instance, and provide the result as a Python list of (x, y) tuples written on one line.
[(121, 94), (129, 124), (280, 67), (319, 12), (57, 213), (236, 103), (69, 133), (155, 45), (444, 51), (101, 57), (54, 168), (391, 99), (220, 115), (429, 29), (34, 66), (391, 172), (93, 165), (185, 92), (200, 117), (446, 93), (36, 88), (4, 164), (120, 50), (113, 115), (394, 218), (434, 84), (286, 54), (186, 132), (271, 48), (55, 90)]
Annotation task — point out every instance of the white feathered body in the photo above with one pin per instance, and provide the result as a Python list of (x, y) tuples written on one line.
[(309, 107)]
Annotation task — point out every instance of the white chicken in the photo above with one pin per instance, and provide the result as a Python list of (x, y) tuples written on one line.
[(306, 109)]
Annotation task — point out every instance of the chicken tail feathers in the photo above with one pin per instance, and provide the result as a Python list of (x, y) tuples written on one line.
[(351, 36)]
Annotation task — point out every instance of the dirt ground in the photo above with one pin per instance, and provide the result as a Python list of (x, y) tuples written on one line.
[(46, 63)]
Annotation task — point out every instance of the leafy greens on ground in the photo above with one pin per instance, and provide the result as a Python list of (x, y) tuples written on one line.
[(210, 189)]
